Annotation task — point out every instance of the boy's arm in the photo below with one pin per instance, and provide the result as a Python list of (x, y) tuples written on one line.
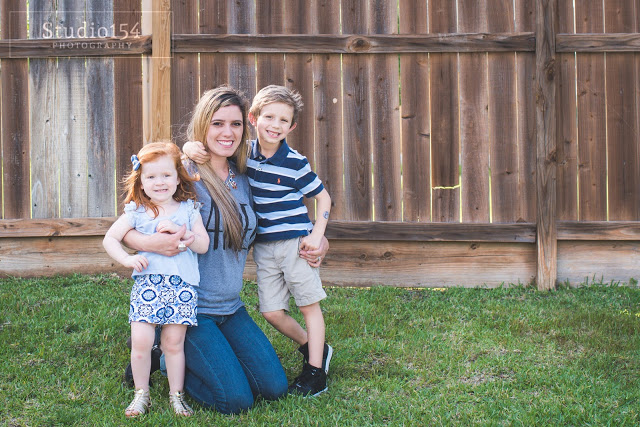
[(195, 151), (323, 207), (111, 243), (200, 243)]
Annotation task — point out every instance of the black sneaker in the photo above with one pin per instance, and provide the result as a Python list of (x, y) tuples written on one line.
[(326, 355), (155, 365), (310, 383)]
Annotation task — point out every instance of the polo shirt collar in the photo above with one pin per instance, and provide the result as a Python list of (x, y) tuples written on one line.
[(278, 158)]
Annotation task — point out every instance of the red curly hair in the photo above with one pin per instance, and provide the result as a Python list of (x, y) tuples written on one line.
[(149, 153)]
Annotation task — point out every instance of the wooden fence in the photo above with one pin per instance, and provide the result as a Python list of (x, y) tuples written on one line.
[(468, 142)]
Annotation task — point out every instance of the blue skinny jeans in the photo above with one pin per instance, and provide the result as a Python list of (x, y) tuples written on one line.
[(230, 362)]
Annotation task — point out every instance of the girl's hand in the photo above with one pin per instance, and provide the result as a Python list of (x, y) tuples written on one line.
[(195, 151), (167, 226), (137, 262)]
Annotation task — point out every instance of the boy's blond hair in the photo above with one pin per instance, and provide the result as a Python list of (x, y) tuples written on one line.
[(274, 93)]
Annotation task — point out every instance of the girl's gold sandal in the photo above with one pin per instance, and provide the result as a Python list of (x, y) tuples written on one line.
[(179, 405), (139, 405)]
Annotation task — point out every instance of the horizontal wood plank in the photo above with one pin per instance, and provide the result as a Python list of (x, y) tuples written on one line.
[(73, 47), (595, 261), (430, 232), (344, 43), (591, 42), (598, 230), (50, 256), (424, 264), (55, 227), (366, 230), (365, 263)]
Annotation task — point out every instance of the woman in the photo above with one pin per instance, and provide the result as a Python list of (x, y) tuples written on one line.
[(229, 360)]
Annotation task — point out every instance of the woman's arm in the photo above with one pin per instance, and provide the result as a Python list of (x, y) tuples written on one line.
[(160, 243)]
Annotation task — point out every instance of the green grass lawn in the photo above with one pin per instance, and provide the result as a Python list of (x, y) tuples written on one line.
[(511, 356)]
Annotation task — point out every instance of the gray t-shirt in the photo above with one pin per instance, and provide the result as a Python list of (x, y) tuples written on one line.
[(221, 267)]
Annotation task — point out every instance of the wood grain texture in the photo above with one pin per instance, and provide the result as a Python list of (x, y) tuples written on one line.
[(75, 47), (567, 146), (445, 118), (214, 67), (269, 20), (357, 129), (546, 88), (431, 264), (242, 67), (355, 263), (592, 136), (18, 228), (474, 119), (598, 230), (185, 79), (298, 76), (43, 103), (596, 42), (71, 125), (47, 256), (15, 117), (525, 20), (356, 43), (415, 118), (100, 121), (161, 72), (622, 135), (503, 116), (580, 262), (327, 108), (385, 118), (127, 72), (430, 232)]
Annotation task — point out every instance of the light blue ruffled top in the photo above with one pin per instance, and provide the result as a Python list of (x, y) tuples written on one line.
[(185, 264)]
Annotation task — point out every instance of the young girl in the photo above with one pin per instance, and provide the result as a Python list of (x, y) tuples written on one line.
[(159, 199)]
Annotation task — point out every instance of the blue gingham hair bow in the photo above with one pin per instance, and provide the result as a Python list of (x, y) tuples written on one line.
[(135, 162)]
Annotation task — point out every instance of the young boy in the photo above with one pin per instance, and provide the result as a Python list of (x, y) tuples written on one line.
[(279, 178)]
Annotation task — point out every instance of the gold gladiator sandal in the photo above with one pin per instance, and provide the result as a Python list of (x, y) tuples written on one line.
[(179, 405), (139, 405)]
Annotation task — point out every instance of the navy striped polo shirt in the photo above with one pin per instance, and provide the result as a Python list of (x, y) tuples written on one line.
[(278, 185)]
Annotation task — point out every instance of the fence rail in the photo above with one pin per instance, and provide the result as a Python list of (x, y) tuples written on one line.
[(463, 142)]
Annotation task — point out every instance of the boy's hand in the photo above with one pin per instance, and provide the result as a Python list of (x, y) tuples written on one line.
[(195, 151), (168, 226), (314, 257), (310, 243), (137, 262)]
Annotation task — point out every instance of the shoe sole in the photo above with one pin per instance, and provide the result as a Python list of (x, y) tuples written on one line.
[(328, 361), (316, 394)]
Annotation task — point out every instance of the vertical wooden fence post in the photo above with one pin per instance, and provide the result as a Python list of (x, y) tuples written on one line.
[(546, 74), (161, 71), (15, 116)]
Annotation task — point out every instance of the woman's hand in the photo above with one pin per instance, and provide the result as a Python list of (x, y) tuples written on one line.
[(315, 257), (195, 151), (159, 243)]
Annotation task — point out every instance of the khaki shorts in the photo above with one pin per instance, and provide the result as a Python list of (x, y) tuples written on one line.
[(282, 274)]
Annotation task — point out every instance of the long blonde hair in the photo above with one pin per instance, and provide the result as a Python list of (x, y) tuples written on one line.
[(210, 102)]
